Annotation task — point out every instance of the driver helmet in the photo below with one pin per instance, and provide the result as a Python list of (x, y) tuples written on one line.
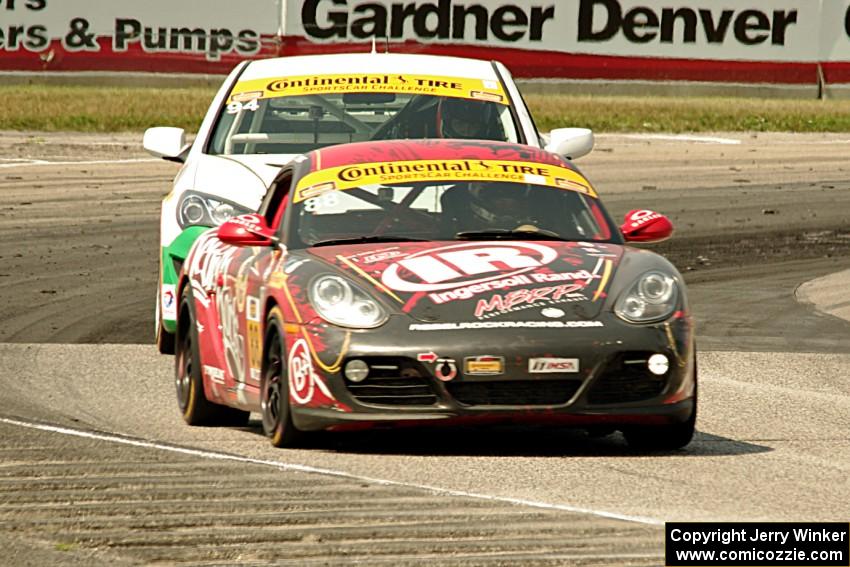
[(464, 119), (498, 204)]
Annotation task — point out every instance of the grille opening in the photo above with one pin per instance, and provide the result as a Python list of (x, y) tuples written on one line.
[(627, 379), (393, 381), (514, 392)]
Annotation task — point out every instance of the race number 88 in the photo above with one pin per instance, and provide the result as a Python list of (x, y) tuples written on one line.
[(326, 201)]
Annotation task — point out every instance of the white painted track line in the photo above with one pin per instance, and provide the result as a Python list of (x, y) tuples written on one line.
[(687, 138), (37, 162)]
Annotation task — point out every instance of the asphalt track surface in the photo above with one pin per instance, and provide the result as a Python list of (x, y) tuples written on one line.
[(98, 468)]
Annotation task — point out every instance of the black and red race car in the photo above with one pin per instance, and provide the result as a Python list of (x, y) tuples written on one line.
[(425, 282)]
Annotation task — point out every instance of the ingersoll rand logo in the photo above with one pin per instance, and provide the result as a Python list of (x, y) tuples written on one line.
[(453, 266)]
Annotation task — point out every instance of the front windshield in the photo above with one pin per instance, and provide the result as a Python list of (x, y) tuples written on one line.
[(447, 210), (297, 115)]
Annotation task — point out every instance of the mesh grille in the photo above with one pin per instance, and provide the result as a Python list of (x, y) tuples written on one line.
[(514, 393), (626, 379), (393, 381)]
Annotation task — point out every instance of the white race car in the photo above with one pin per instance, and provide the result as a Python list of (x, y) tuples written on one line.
[(267, 112)]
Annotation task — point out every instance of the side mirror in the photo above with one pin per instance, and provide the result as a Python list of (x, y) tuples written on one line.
[(646, 226), (166, 143), (246, 230), (571, 143)]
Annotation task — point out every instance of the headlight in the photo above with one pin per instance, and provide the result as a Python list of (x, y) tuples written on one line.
[(342, 303), (198, 209), (652, 297)]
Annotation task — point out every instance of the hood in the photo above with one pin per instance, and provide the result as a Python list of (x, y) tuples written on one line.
[(482, 281), (242, 179)]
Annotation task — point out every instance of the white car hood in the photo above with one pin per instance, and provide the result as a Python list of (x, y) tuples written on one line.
[(242, 179)]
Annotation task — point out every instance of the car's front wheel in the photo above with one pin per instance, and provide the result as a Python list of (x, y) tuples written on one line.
[(276, 411), (662, 437), (193, 404)]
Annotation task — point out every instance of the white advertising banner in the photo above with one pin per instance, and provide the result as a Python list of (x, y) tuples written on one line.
[(741, 41), (205, 29), (834, 36), (743, 30)]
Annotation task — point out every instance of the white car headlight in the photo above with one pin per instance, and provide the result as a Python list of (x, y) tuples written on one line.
[(653, 297), (199, 209), (340, 302)]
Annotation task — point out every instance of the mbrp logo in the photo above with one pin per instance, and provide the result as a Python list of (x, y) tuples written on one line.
[(440, 19), (602, 20), (462, 264)]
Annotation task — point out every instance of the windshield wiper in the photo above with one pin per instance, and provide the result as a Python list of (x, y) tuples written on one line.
[(506, 234), (362, 239)]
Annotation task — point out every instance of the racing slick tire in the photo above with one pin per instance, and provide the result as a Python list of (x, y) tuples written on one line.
[(274, 401), (191, 400), (664, 437)]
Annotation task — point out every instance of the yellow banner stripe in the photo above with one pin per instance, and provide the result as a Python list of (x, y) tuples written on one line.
[(349, 176), (473, 89)]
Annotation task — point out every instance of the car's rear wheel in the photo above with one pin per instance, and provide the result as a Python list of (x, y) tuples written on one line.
[(276, 411), (193, 404)]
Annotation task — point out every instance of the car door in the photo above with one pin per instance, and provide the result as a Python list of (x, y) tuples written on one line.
[(241, 296)]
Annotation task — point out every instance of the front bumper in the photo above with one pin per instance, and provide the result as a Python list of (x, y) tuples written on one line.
[(613, 385)]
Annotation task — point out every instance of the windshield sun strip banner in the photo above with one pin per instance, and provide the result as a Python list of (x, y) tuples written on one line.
[(473, 89), (345, 177)]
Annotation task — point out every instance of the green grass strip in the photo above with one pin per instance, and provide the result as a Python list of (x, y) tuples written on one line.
[(106, 109)]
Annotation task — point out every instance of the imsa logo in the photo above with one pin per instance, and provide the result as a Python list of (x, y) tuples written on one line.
[(553, 365)]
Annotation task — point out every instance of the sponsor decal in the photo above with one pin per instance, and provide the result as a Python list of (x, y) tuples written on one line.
[(255, 339), (456, 87), (214, 374), (210, 258), (483, 365), (232, 340), (553, 365), (345, 177), (501, 303), (251, 222), (303, 379), (637, 219), (472, 325), (467, 292), (465, 264), (429, 356), (247, 96), (445, 369), (375, 257), (169, 302)]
